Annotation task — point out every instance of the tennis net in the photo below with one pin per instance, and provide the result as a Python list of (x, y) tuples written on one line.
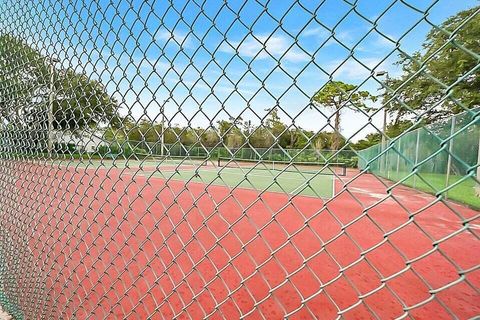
[(327, 168)]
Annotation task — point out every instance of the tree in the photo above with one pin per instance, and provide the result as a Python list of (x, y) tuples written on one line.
[(278, 129), (80, 102), (324, 140), (338, 95), (170, 136), (298, 138), (26, 88), (224, 127), (393, 130), (235, 139), (209, 138), (188, 137), (230, 134), (261, 138), (21, 68), (370, 140), (144, 130), (445, 59)]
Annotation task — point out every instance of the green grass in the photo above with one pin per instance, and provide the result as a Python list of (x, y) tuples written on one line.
[(464, 192)]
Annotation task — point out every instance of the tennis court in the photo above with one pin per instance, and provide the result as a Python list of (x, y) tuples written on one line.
[(312, 179), (253, 160), (203, 245)]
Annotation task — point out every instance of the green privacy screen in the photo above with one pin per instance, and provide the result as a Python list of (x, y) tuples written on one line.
[(436, 158)]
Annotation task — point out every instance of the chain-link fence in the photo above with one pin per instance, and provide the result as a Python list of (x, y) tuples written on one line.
[(140, 148), (198, 159), (434, 158)]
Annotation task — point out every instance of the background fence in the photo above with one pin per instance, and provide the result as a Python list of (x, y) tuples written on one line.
[(129, 147), (433, 158), (111, 113)]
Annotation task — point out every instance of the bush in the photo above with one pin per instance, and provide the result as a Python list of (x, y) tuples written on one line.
[(65, 148), (353, 163), (109, 149), (276, 157), (103, 150)]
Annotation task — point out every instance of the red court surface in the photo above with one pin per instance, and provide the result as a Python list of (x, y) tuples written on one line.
[(107, 244)]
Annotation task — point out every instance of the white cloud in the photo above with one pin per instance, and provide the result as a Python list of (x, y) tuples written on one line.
[(316, 32), (378, 43), (385, 41), (175, 37), (264, 46), (347, 37), (352, 69)]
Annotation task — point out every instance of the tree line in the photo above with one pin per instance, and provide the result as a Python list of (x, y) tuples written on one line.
[(229, 133)]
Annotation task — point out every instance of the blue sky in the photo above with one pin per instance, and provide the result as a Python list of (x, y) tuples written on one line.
[(236, 58)]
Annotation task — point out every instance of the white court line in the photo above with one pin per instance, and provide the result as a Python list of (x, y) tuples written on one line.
[(300, 187), (260, 175), (294, 191)]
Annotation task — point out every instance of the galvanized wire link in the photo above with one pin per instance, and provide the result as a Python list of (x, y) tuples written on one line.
[(222, 160)]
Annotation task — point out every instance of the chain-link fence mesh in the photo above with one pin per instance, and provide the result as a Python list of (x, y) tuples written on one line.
[(208, 159)]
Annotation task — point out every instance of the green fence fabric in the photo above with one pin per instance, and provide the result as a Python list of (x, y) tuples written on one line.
[(431, 158)]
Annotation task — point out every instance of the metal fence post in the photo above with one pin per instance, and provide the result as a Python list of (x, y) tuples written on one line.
[(449, 159), (50, 108), (387, 158), (162, 137), (398, 156), (417, 144), (477, 185)]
